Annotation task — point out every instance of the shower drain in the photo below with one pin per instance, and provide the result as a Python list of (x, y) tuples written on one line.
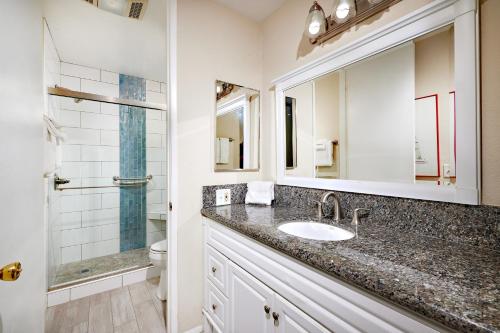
[(85, 270)]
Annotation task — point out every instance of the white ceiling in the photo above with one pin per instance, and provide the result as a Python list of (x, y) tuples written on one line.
[(86, 35), (256, 10)]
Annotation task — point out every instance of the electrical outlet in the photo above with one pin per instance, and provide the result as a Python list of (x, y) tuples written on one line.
[(223, 197), (446, 170)]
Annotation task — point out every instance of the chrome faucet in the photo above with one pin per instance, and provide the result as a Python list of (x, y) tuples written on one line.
[(336, 206), (355, 217)]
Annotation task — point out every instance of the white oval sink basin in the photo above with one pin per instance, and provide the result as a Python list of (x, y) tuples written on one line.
[(317, 231)]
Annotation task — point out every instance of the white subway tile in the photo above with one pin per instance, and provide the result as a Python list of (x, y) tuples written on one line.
[(70, 153), (164, 142), (100, 88), (164, 115), (154, 225), (74, 203), (100, 183), (82, 136), (110, 77), (99, 249), (154, 197), (164, 168), (100, 153), (71, 237), (100, 217), (111, 109), (81, 169), (153, 86), (71, 220), (110, 231), (153, 140), (80, 71), (156, 126), (160, 182), (110, 138), (163, 88), (74, 182), (96, 287), (110, 169), (83, 105), (69, 118), (156, 97), (110, 200), (153, 237), (71, 254), (70, 82), (100, 121), (154, 154), (153, 114), (90, 235), (152, 168)]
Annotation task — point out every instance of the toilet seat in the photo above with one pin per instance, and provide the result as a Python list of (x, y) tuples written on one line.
[(159, 247)]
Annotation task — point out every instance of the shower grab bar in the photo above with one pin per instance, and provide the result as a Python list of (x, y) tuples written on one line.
[(129, 182)]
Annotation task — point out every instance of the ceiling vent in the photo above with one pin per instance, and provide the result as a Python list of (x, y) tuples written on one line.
[(129, 8)]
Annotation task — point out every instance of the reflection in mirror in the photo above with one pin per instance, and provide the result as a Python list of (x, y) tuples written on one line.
[(389, 117), (236, 128)]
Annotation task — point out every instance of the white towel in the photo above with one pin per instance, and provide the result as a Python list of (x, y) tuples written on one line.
[(260, 192), (324, 152), (222, 151), (54, 129)]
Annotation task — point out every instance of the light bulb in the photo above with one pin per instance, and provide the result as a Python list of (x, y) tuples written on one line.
[(314, 28), (315, 22), (344, 10)]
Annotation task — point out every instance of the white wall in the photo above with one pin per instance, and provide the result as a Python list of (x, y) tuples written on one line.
[(214, 43), (21, 165)]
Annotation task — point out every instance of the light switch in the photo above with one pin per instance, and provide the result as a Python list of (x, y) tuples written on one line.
[(223, 197)]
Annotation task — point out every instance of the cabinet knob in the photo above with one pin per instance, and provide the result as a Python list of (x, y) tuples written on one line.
[(214, 307), (267, 309), (214, 269), (276, 317)]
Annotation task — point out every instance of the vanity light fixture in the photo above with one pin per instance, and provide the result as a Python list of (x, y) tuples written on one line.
[(345, 14)]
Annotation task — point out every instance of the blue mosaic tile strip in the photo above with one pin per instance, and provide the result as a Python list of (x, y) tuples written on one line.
[(132, 164)]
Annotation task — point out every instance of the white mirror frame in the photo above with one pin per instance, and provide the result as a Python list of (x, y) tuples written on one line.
[(463, 15)]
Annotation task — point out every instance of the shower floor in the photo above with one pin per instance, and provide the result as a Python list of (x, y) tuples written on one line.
[(91, 269)]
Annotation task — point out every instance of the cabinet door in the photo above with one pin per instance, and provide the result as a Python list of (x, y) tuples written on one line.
[(248, 301), (292, 320)]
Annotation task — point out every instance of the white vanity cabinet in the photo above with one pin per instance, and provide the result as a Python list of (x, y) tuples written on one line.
[(250, 287)]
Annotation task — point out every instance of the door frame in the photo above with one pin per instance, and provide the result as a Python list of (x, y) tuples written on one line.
[(172, 292)]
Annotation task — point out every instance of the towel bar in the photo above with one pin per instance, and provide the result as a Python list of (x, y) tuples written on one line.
[(128, 182)]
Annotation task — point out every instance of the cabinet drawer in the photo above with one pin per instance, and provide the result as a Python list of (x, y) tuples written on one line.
[(216, 306), (216, 269)]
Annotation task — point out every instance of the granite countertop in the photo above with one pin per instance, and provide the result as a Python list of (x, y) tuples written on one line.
[(452, 283)]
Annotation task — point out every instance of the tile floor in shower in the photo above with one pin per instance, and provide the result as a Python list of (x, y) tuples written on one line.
[(90, 269)]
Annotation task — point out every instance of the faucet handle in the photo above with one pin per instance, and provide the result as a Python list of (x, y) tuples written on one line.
[(355, 217)]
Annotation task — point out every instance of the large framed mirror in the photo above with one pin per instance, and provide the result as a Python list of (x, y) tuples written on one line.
[(394, 113), (237, 128)]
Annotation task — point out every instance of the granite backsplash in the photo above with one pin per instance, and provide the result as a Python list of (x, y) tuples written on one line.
[(475, 225)]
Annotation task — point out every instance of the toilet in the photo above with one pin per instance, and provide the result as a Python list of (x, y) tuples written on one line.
[(158, 256)]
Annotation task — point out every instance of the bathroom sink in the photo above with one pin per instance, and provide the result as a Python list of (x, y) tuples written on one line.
[(317, 231)]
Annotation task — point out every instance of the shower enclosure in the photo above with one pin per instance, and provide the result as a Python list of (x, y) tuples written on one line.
[(106, 195)]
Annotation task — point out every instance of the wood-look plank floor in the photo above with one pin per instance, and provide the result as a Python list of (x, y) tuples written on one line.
[(131, 309)]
